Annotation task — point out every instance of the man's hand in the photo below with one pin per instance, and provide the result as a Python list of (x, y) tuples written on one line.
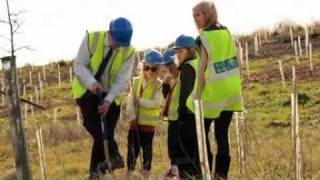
[(104, 108), (95, 87)]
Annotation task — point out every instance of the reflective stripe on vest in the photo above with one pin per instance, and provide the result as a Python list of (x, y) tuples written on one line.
[(96, 41), (174, 104), (222, 90), (173, 108), (147, 116)]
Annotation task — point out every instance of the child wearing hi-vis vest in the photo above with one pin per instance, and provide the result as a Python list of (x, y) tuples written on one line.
[(143, 108), (185, 155), (170, 89)]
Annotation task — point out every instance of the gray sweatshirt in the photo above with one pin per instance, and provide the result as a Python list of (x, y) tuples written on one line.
[(82, 71)]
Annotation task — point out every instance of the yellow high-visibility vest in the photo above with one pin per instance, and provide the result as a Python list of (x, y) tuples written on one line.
[(147, 116), (96, 45), (222, 90), (174, 105)]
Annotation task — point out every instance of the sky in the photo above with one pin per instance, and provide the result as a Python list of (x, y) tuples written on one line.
[(55, 28)]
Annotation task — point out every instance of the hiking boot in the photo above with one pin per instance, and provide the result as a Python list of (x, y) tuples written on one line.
[(145, 174), (94, 176), (117, 162)]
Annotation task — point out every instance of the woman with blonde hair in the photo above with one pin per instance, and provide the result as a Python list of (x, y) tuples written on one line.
[(219, 83)]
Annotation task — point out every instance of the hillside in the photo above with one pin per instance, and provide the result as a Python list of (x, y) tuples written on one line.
[(266, 129)]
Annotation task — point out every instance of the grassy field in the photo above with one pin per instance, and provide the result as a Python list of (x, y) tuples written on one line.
[(267, 134)]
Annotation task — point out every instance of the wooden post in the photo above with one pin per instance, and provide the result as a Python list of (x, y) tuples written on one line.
[(202, 140), (3, 89), (24, 87), (70, 74), (296, 52), (2, 98), (239, 134), (306, 40), (256, 45), (240, 52), (247, 61), (295, 128), (291, 36), (37, 94), (30, 78), (25, 113), (310, 57), (32, 110), (282, 74), (41, 155), (59, 75), (299, 46), (39, 78), (44, 72), (259, 40), (41, 90)]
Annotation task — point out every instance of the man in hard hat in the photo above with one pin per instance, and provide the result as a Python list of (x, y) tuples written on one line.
[(104, 65)]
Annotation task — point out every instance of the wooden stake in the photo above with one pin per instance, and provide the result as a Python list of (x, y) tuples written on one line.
[(240, 144), (282, 74), (2, 98), (41, 154), (24, 87), (295, 128), (310, 57), (39, 78), (30, 78), (306, 40), (70, 74), (256, 45), (240, 53), (44, 72), (25, 113), (296, 52), (59, 76), (37, 94), (259, 40), (201, 136), (291, 37), (41, 90), (32, 110), (247, 61), (299, 46)]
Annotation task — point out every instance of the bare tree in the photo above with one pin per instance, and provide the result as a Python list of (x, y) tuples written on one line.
[(18, 138)]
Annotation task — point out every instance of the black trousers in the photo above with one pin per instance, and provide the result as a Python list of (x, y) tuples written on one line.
[(172, 141), (221, 135), (91, 121), (188, 158), (137, 139)]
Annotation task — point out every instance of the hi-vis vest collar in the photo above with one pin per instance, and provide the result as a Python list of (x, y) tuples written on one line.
[(96, 45)]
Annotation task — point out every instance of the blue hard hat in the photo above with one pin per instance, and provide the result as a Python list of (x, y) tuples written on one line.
[(121, 32), (169, 56), (153, 57), (184, 42)]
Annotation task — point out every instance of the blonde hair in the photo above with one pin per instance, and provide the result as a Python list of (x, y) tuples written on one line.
[(209, 11)]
